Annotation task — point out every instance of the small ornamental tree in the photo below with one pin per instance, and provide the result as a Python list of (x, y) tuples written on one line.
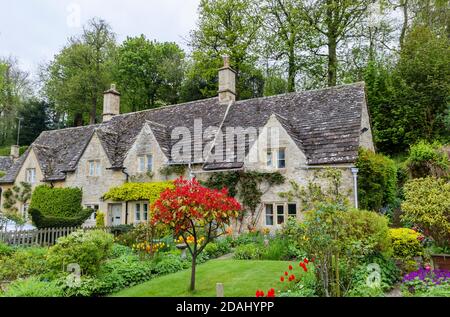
[(195, 212)]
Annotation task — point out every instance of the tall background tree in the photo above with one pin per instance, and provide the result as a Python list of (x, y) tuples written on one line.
[(75, 80), (226, 27), (148, 73)]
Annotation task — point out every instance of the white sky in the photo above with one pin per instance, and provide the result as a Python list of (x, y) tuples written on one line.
[(35, 30)]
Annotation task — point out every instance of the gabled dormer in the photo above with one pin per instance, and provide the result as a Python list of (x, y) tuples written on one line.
[(277, 147)]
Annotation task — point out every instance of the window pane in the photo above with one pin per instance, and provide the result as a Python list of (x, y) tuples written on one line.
[(292, 209), (138, 212), (141, 160), (98, 169), (91, 168), (280, 214), (269, 214), (145, 211), (149, 162), (281, 158), (269, 158)]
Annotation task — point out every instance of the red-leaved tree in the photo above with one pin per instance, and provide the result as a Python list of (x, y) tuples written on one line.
[(196, 211)]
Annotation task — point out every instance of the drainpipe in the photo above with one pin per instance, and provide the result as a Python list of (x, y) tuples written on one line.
[(355, 185), (126, 202)]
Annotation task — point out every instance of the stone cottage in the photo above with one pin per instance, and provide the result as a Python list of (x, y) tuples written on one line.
[(295, 134)]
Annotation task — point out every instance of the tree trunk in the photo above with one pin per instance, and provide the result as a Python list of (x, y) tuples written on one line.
[(93, 113), (405, 22), (194, 261), (78, 120), (291, 70), (332, 61)]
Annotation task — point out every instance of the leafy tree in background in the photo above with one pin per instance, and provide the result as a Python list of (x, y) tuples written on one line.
[(75, 80), (148, 73), (332, 22), (35, 119), (285, 35), (14, 89), (226, 27)]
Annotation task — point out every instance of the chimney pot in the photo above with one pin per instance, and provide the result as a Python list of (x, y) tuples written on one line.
[(111, 103), (227, 82)]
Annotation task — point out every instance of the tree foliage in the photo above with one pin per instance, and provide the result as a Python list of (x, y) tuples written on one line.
[(192, 210), (148, 73), (427, 205)]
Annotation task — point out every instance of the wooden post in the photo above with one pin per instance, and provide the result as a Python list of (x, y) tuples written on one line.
[(219, 290)]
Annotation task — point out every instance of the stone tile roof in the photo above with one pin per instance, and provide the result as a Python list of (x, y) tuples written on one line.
[(324, 123), (5, 163)]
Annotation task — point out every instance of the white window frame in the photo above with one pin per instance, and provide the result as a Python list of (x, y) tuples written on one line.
[(94, 168), (273, 158), (137, 212), (145, 163), (275, 215), (30, 175), (145, 211)]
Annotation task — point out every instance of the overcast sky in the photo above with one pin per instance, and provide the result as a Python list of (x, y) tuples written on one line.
[(35, 30)]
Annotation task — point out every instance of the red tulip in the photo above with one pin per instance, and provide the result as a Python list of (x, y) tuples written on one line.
[(282, 279), (286, 273), (290, 267), (305, 260)]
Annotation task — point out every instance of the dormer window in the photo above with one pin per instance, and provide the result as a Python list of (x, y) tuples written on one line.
[(145, 163), (31, 175), (276, 158), (95, 168)]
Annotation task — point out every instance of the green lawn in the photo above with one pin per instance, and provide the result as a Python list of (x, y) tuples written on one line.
[(239, 278)]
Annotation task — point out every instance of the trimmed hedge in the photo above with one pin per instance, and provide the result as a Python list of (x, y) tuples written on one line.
[(43, 221), (377, 180), (57, 207), (50, 201)]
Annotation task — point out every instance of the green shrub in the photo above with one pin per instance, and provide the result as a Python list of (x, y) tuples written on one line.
[(389, 276), (23, 263), (427, 205), (406, 244), (276, 250), (88, 249), (212, 250), (224, 246), (119, 250), (427, 159), (364, 233), (44, 221), (249, 251), (57, 207), (168, 264), (377, 180), (114, 275), (33, 287), (5, 250)]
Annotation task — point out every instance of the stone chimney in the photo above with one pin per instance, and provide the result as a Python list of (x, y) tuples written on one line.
[(227, 82), (14, 152), (111, 103)]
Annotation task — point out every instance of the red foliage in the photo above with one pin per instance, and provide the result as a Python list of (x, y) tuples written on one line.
[(189, 203)]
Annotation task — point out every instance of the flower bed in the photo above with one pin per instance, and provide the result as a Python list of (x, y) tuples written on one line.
[(424, 280)]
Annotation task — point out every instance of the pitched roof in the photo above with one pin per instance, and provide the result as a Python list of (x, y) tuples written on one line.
[(324, 123)]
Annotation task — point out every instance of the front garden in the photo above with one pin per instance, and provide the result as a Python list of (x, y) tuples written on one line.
[(335, 251)]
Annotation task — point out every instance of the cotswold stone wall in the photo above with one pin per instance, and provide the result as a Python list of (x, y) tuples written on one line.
[(95, 186)]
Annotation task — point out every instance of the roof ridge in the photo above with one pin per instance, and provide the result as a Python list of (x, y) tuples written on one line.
[(358, 83), (163, 107)]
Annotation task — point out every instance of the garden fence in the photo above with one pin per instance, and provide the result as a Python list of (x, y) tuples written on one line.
[(41, 237)]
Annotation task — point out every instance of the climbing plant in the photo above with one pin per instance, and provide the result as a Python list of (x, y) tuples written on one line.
[(248, 187), (168, 170), (325, 187)]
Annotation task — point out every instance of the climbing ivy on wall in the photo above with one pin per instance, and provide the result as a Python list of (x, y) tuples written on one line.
[(247, 186), (168, 170), (137, 191)]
